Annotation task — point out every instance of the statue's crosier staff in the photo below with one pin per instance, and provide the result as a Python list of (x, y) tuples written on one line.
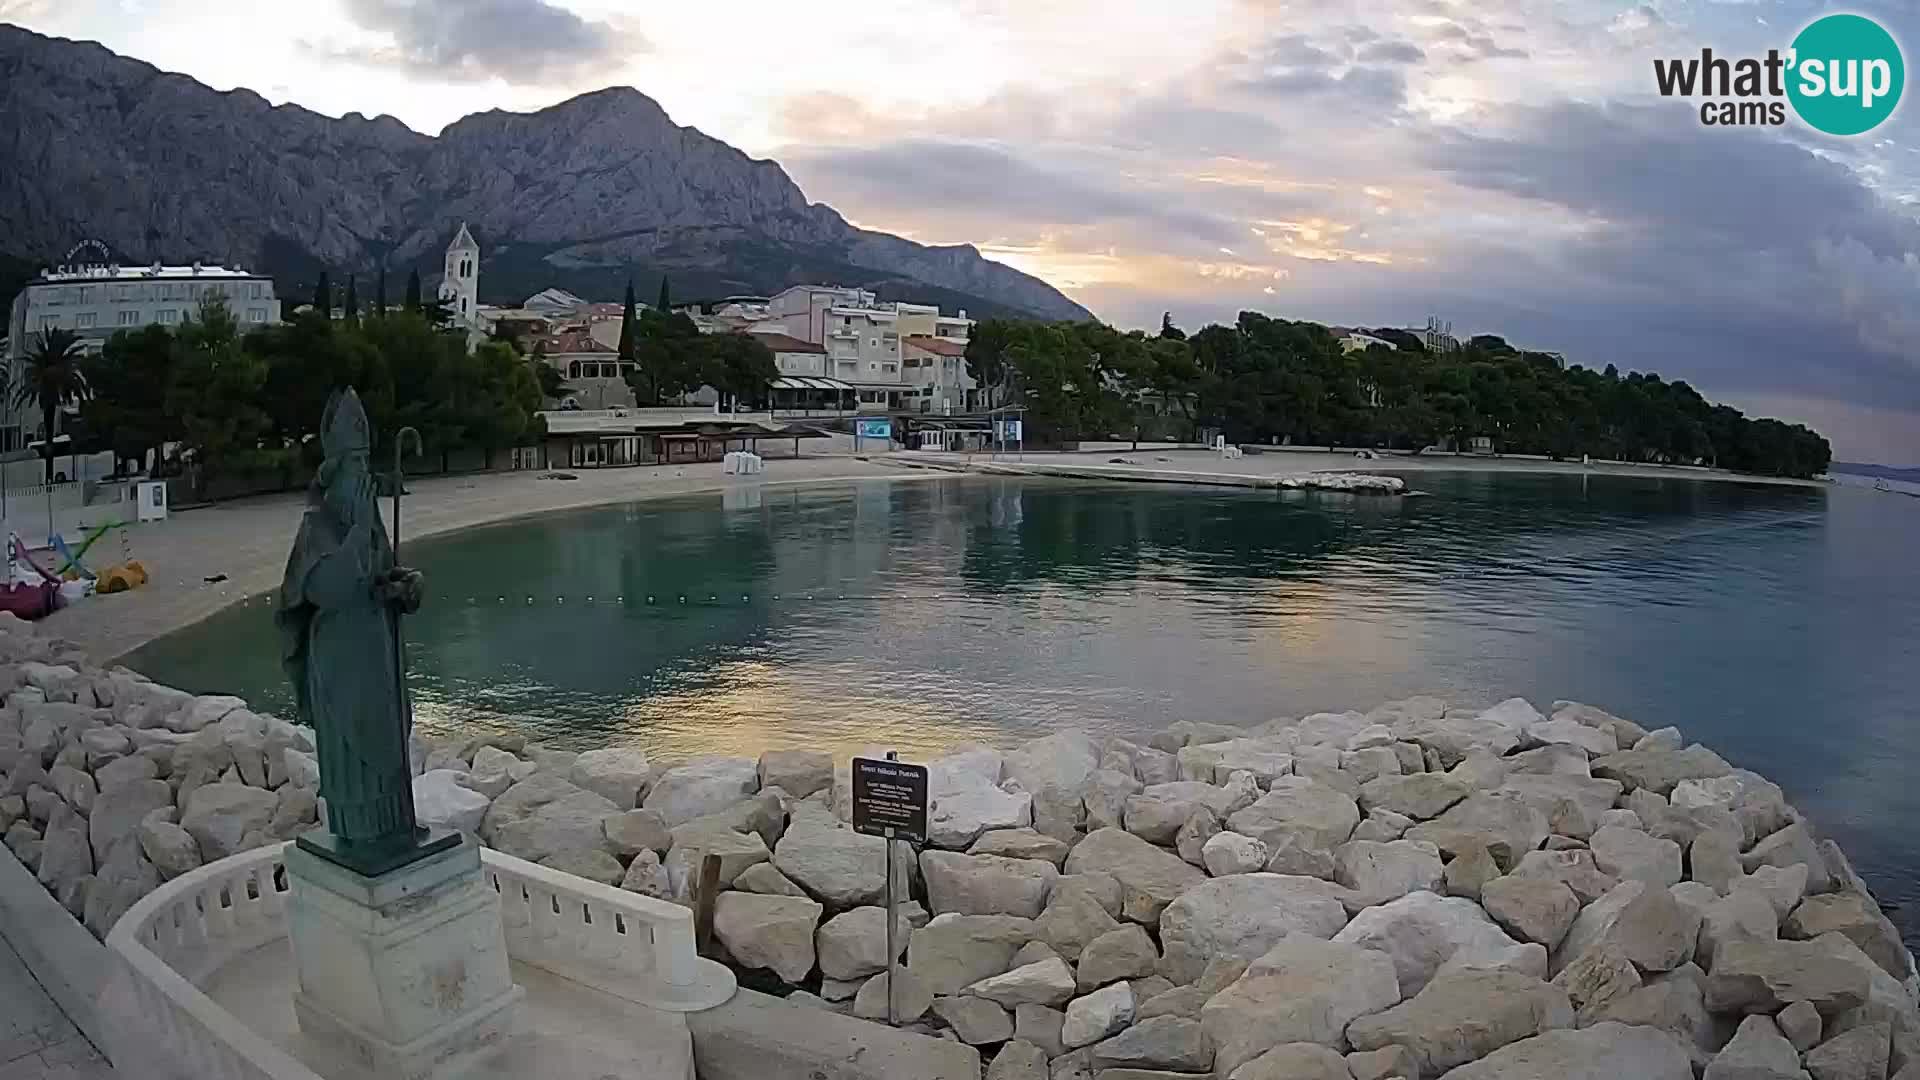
[(399, 640)]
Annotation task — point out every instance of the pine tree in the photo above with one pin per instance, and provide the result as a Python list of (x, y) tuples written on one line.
[(661, 304), (627, 327), (323, 296), (413, 291), (353, 300), (380, 293)]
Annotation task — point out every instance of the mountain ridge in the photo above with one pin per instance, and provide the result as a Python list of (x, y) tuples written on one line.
[(581, 194)]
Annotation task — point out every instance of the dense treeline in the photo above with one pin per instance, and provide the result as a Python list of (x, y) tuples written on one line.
[(207, 395), (1263, 380)]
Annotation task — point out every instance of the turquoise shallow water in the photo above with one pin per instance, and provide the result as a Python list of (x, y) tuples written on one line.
[(1779, 625)]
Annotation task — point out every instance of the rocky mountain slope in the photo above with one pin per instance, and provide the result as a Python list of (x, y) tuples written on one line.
[(158, 165)]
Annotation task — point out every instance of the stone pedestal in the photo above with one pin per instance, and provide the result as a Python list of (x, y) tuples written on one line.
[(405, 973)]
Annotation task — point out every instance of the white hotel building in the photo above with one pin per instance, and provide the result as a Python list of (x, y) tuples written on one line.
[(895, 356), (94, 302)]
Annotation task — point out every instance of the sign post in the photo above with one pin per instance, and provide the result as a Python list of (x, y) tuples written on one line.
[(890, 801)]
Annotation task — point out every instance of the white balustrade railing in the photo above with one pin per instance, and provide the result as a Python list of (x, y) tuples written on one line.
[(175, 938), (628, 945)]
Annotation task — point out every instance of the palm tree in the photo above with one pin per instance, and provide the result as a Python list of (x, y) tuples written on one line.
[(51, 379)]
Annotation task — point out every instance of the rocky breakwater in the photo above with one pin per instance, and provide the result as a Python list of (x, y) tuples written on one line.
[(1416, 891)]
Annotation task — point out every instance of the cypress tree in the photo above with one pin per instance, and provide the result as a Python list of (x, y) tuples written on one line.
[(353, 300), (380, 293), (413, 291), (661, 304), (626, 327), (323, 296)]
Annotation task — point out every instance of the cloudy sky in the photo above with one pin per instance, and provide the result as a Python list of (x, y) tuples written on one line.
[(1504, 164)]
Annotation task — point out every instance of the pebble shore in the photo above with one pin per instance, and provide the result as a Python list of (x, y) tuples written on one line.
[(1417, 891)]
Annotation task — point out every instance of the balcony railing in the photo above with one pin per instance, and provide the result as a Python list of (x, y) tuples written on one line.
[(170, 943)]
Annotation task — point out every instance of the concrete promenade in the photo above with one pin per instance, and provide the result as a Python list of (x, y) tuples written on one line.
[(37, 1041), (247, 540)]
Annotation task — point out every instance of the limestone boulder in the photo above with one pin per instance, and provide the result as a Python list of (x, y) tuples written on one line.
[(172, 849), (1231, 853), (1800, 1023), (1295, 1061), (968, 804), (572, 822), (1095, 1016), (1629, 854), (1021, 844), (1606, 1051), (1534, 909), (441, 801), (836, 865), (1714, 861), (1048, 982), (1598, 978), (1468, 872), (1382, 826), (774, 932), (853, 944), (700, 787), (986, 884), (1170, 1043), (1157, 812), (975, 1021), (1674, 1002), (593, 865), (1105, 797), (696, 840), (1150, 878), (953, 952), (1652, 929), (1299, 810), (911, 1000), (1757, 804), (1575, 868), (633, 831), (1570, 732), (220, 816), (1421, 931), (1386, 1063), (119, 810), (618, 774), (1190, 843), (1546, 792), (1053, 770), (1421, 796), (491, 771), (799, 773), (1301, 990), (1859, 920), (1742, 915), (1122, 953), (645, 875), (1465, 1016), (65, 854), (1767, 976), (1757, 1051), (1507, 824), (1791, 846), (1378, 872), (1856, 1054), (1073, 918), (1267, 759), (1242, 917), (1660, 771)]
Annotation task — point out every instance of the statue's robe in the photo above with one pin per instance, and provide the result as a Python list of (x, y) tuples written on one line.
[(338, 648)]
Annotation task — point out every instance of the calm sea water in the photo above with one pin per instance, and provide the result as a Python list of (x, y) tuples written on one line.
[(1779, 625)]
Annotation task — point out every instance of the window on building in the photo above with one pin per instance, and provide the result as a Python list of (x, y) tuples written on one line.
[(258, 314), (463, 305), (129, 317), (573, 370), (256, 291), (85, 320), (86, 294), (168, 316)]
